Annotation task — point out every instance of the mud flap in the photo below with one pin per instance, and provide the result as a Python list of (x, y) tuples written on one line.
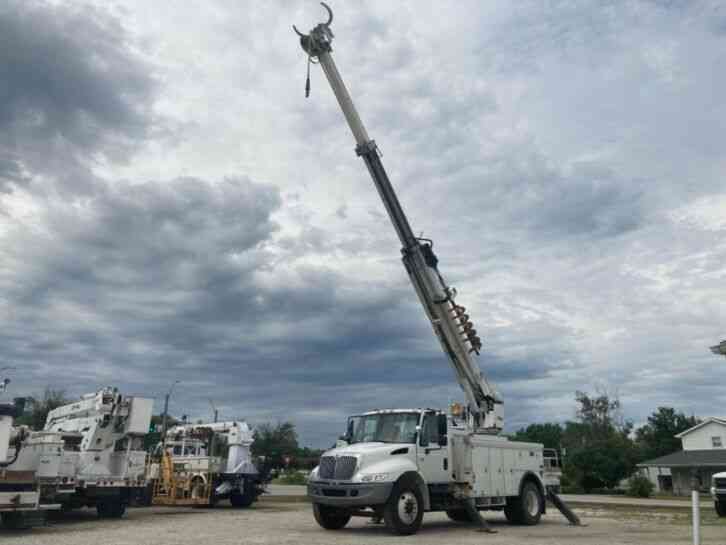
[(476, 517), (564, 509)]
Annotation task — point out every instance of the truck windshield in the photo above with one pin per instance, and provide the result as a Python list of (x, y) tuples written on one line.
[(384, 428)]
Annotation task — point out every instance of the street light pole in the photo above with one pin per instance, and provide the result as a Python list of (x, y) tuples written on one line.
[(166, 409)]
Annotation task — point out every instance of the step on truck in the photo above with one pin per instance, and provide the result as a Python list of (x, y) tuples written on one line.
[(101, 462), (201, 464), (400, 463)]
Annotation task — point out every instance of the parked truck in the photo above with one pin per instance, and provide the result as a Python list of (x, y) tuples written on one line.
[(718, 492), (396, 464), (100, 461), (201, 464), (20, 499)]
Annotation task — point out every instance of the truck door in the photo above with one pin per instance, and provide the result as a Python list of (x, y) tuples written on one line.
[(432, 454)]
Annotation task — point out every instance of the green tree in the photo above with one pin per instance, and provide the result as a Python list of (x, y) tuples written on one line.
[(657, 437), (275, 442), (38, 407), (599, 450), (549, 434)]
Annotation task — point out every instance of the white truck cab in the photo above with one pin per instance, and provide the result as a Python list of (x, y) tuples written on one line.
[(718, 492), (396, 464)]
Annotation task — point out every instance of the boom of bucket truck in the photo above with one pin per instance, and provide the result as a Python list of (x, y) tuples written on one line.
[(398, 463)]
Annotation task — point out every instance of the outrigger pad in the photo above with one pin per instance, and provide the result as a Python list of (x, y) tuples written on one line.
[(475, 516), (564, 509)]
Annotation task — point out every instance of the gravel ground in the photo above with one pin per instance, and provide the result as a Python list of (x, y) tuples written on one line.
[(281, 523)]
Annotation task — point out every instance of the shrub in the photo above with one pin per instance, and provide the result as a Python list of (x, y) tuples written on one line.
[(292, 477), (640, 486)]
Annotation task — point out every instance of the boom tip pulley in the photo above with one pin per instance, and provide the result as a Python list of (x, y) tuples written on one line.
[(316, 42)]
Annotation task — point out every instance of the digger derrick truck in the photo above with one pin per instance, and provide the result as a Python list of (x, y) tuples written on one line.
[(395, 464), (101, 461), (200, 464)]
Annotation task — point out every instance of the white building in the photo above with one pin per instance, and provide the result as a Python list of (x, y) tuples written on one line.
[(704, 452)]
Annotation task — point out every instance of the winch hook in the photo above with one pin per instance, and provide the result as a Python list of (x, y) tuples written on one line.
[(330, 19)]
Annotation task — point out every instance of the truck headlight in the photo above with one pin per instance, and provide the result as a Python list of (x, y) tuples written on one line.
[(374, 477)]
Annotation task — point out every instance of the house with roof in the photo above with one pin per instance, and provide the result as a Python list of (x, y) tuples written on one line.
[(703, 454)]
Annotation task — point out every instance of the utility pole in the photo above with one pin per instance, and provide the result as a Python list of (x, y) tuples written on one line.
[(216, 412), (166, 409)]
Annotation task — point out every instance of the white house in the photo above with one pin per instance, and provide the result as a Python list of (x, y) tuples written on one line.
[(703, 454), (709, 434)]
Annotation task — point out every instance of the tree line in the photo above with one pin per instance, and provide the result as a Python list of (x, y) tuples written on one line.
[(600, 448)]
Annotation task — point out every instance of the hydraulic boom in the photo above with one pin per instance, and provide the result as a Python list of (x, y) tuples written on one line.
[(449, 320)]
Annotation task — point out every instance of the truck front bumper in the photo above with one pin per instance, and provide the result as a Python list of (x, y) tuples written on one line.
[(349, 494)]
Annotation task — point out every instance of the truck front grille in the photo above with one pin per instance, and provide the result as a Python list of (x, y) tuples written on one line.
[(341, 468)]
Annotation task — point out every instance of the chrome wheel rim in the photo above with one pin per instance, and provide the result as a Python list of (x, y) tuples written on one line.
[(407, 507), (531, 503)]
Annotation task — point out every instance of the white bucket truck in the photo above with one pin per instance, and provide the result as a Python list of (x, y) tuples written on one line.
[(201, 464), (399, 463), (100, 461)]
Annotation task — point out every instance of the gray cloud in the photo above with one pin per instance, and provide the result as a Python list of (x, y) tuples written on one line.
[(73, 90), (566, 161)]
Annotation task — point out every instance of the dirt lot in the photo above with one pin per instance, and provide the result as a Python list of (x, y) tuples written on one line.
[(274, 522)]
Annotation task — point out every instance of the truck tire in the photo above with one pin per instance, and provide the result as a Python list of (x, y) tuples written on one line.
[(14, 520), (244, 498), (403, 511), (111, 509), (458, 515), (720, 506), (525, 509), (329, 517)]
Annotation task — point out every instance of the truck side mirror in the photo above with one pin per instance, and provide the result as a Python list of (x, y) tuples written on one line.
[(442, 430)]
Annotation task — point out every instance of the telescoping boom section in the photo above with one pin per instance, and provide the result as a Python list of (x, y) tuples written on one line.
[(449, 320)]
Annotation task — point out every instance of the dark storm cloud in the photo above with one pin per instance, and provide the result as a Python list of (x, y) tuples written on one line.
[(72, 89)]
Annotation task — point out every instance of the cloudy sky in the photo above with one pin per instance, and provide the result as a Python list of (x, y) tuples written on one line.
[(173, 208)]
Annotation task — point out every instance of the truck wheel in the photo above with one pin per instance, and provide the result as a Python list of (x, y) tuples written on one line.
[(14, 520), (245, 498), (525, 509), (329, 517), (403, 511), (111, 509), (458, 515), (720, 506)]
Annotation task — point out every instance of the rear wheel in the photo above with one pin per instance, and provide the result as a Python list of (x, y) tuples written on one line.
[(14, 520), (525, 509), (329, 517), (245, 497), (720, 506), (458, 515), (403, 512), (111, 509)]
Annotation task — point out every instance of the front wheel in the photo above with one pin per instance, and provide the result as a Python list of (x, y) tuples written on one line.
[(403, 511), (720, 506), (329, 517), (525, 509)]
